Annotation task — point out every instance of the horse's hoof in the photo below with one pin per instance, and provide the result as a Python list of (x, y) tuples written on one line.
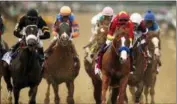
[(9, 98), (152, 102), (70, 101), (46, 101)]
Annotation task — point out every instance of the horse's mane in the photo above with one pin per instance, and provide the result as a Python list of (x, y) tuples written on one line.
[(121, 32)]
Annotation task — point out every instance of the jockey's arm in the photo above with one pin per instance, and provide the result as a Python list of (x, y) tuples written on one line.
[(75, 27), (55, 28), (19, 26), (45, 29), (143, 29), (112, 29)]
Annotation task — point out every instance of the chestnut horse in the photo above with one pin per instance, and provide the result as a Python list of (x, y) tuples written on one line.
[(60, 66), (116, 66), (94, 46), (153, 42)]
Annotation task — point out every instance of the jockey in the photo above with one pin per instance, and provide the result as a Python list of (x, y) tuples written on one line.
[(31, 18), (139, 30), (122, 19), (150, 21), (139, 25), (106, 14), (65, 15), (152, 25)]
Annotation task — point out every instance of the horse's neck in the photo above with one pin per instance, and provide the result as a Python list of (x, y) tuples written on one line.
[(25, 54), (64, 49)]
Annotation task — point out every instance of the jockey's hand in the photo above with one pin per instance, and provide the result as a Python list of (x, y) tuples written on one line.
[(75, 34), (108, 42), (131, 42), (54, 33)]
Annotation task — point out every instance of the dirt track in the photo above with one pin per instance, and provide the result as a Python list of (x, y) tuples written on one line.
[(166, 80)]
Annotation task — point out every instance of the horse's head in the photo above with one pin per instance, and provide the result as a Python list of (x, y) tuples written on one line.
[(64, 34), (153, 41), (121, 45), (31, 33)]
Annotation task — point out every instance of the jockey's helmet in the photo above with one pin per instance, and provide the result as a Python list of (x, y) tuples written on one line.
[(149, 16), (136, 18), (65, 11), (32, 16), (107, 11), (123, 17)]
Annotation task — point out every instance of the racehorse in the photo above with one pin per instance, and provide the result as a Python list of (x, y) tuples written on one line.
[(153, 43), (60, 66), (3, 49), (89, 60), (140, 62), (25, 69), (116, 66)]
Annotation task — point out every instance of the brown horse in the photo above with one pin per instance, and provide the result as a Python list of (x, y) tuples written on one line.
[(60, 66), (140, 63), (116, 66), (98, 41), (153, 42)]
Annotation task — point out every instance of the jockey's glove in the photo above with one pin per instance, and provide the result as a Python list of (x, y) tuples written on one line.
[(75, 34), (131, 42), (54, 33), (109, 39), (108, 42)]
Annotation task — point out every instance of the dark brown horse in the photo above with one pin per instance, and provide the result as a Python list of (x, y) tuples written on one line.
[(153, 42), (140, 63), (60, 66), (116, 67), (24, 69), (91, 54)]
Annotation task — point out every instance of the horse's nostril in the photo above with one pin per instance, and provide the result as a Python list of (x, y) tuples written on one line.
[(121, 59)]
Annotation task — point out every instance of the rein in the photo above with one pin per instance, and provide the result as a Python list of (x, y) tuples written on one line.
[(121, 48)]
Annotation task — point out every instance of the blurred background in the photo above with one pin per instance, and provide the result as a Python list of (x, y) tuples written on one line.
[(165, 12)]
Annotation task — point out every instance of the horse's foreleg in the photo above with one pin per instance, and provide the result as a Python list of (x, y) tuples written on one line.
[(139, 91), (32, 94), (122, 90), (55, 89), (152, 91), (146, 93), (47, 100), (7, 76), (115, 92), (97, 90), (132, 91), (16, 94), (70, 87), (105, 84)]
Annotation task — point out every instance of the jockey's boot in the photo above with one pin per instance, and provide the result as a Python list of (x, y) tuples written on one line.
[(41, 55), (49, 49), (75, 55), (132, 62), (99, 59)]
